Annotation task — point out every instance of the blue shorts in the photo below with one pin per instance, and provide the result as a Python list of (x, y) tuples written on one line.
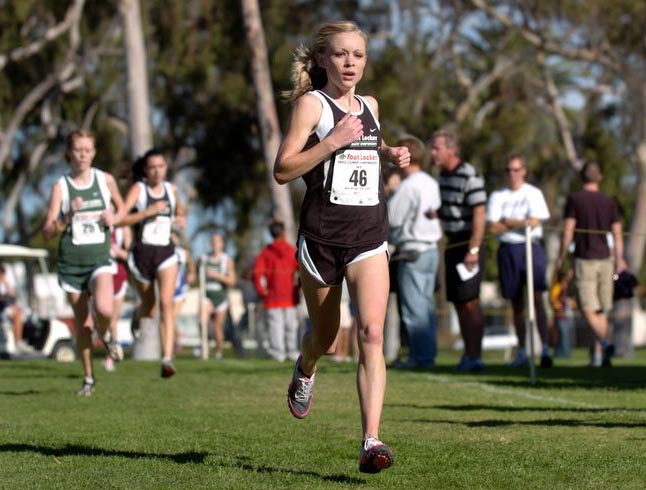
[(512, 269), (180, 290)]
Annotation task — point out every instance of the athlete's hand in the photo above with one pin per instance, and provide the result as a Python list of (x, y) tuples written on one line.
[(346, 131), (76, 204), (179, 222), (399, 156), (156, 208), (190, 278), (108, 218)]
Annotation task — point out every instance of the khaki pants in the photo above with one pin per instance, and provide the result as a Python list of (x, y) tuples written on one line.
[(594, 283)]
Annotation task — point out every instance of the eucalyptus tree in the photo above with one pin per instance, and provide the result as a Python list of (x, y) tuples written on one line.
[(45, 49), (267, 115), (139, 129), (606, 40)]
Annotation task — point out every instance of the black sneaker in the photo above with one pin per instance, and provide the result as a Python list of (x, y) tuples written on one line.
[(546, 361), (608, 352), (375, 456), (300, 392), (86, 388)]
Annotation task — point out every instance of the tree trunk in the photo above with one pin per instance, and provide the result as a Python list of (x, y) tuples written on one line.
[(636, 242), (267, 116), (136, 61)]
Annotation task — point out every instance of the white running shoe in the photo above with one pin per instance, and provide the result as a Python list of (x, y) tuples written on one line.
[(300, 392), (108, 364), (115, 351), (24, 347), (86, 388)]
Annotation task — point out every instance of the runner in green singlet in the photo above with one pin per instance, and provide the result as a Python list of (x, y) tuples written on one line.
[(80, 212), (220, 274)]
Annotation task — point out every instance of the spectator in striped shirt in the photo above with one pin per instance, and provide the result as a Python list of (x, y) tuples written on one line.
[(463, 217)]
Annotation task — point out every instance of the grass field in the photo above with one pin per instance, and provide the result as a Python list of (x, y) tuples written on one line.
[(225, 425)]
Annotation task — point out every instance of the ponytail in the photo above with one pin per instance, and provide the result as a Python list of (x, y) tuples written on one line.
[(307, 75)]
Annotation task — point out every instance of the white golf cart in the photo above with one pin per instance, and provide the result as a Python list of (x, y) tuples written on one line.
[(48, 336)]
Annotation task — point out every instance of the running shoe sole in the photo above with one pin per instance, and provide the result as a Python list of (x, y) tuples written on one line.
[(294, 410), (376, 459), (115, 351), (167, 371)]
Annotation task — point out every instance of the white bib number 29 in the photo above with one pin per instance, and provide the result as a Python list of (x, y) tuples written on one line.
[(355, 181), (87, 228), (157, 232)]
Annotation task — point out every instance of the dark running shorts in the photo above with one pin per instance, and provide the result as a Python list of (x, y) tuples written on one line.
[(512, 269), (144, 261), (326, 263), (457, 290)]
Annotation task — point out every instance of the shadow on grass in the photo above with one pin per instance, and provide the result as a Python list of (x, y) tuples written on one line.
[(189, 457), (250, 370), (504, 408), (545, 423), (21, 364), (271, 470), (566, 377), (19, 393), (76, 450)]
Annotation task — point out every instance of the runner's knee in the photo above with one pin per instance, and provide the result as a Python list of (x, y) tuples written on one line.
[(371, 334)]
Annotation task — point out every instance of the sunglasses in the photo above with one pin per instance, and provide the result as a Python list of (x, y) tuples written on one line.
[(513, 169)]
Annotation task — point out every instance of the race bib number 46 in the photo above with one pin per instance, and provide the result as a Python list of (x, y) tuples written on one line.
[(355, 181), (157, 232), (87, 228)]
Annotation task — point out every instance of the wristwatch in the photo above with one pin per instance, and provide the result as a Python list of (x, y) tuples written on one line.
[(474, 250)]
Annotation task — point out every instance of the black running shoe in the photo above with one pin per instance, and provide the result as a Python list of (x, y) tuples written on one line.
[(608, 352), (546, 362)]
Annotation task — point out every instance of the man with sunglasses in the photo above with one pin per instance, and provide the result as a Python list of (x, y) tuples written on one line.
[(462, 214), (509, 210)]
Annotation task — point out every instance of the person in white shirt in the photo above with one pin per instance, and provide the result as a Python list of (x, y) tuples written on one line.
[(509, 210), (415, 230)]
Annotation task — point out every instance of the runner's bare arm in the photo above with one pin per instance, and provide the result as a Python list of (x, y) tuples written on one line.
[(180, 210), (398, 155), (53, 225), (131, 200), (117, 200), (291, 161)]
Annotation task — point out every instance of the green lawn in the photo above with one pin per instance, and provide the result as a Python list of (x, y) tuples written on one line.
[(226, 425)]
